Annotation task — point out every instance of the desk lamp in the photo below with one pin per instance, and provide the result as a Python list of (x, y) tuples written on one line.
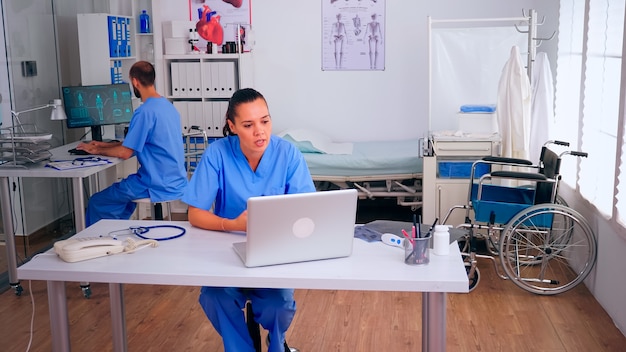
[(57, 111), (57, 114)]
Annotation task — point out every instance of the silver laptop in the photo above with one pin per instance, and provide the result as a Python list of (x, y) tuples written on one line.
[(298, 227)]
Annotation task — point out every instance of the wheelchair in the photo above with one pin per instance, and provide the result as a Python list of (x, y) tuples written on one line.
[(540, 244)]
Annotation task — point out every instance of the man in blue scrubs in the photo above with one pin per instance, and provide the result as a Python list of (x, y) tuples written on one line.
[(155, 137), (248, 162)]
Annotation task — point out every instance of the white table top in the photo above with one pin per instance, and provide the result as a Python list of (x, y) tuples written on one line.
[(203, 257), (58, 153)]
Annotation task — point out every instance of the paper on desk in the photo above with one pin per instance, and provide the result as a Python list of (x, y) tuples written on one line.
[(72, 164)]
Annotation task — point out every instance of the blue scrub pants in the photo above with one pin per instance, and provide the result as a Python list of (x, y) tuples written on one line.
[(115, 201), (273, 309)]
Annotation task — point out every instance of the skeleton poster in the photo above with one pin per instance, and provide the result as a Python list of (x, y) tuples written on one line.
[(353, 35)]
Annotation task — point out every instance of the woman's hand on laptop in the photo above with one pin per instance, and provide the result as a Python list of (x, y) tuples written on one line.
[(240, 223)]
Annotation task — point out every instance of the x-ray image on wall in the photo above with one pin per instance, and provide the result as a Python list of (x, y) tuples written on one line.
[(353, 35)]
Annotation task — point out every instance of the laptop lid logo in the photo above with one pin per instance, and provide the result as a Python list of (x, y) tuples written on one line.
[(303, 227)]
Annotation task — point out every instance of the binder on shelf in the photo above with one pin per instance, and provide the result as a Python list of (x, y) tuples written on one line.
[(193, 79), (215, 80), (127, 45), (112, 22), (175, 81), (227, 78), (207, 86), (181, 106), (182, 79), (198, 114)]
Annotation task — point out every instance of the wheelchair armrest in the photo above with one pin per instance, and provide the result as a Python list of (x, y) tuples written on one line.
[(520, 175), (502, 160)]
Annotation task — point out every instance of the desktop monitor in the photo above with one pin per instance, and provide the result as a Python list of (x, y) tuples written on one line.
[(97, 105)]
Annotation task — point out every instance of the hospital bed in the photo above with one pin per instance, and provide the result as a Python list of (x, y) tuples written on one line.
[(376, 169)]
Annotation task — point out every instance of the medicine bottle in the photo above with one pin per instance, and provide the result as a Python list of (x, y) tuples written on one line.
[(144, 22), (441, 240)]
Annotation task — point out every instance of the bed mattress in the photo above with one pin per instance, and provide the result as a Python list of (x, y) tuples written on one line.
[(368, 159)]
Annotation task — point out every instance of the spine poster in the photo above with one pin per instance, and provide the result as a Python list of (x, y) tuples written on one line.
[(353, 35)]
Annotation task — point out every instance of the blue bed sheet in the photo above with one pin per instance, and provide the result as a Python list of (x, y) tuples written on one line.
[(368, 159)]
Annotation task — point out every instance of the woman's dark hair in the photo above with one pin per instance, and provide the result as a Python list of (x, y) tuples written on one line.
[(143, 71), (242, 96)]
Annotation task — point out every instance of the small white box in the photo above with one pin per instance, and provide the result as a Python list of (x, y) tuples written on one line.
[(176, 46), (177, 29), (478, 122)]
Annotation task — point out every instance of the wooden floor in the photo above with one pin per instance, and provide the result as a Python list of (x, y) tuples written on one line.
[(496, 316)]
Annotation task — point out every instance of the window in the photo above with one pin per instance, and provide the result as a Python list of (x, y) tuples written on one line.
[(587, 104)]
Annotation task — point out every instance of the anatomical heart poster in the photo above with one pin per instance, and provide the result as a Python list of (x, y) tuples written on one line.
[(221, 21)]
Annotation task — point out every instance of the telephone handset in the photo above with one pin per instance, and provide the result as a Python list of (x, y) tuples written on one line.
[(74, 250)]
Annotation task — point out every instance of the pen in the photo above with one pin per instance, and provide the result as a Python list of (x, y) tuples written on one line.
[(432, 227), (407, 236), (419, 227), (415, 225)]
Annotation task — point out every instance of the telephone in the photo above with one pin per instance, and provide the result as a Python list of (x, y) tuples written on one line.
[(77, 249)]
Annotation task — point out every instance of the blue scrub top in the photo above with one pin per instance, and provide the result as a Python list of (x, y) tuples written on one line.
[(160, 151), (225, 178)]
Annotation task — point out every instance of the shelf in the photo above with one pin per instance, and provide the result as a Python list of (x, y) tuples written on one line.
[(202, 56)]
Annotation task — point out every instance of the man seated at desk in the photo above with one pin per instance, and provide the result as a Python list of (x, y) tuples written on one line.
[(154, 136)]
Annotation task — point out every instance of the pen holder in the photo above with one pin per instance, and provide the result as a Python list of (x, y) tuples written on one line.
[(416, 250)]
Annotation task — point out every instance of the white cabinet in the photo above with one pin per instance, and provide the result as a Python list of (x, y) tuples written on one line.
[(110, 42), (106, 47), (446, 175), (199, 85)]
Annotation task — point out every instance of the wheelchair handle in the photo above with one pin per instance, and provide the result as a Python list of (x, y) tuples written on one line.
[(581, 154), (566, 144)]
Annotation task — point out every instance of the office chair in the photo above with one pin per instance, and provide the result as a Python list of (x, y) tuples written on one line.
[(255, 331)]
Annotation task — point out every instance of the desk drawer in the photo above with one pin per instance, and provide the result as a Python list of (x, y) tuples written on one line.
[(448, 148)]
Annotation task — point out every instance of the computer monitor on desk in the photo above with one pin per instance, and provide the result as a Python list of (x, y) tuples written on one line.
[(97, 105)]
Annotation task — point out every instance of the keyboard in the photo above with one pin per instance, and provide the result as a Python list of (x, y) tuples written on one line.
[(75, 151)]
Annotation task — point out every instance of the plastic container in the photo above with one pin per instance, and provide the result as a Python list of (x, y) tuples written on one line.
[(441, 240), (144, 22)]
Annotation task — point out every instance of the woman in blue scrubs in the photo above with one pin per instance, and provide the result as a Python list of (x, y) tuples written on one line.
[(248, 162)]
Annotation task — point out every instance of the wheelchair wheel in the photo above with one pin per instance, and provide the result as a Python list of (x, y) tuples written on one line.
[(473, 279), (547, 249)]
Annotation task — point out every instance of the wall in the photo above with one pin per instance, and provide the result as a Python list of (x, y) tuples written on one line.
[(354, 105)]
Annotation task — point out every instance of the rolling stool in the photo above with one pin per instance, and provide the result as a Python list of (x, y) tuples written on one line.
[(255, 331), (156, 208)]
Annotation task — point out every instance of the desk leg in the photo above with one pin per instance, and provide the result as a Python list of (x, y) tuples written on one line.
[(7, 220), (59, 323), (79, 203), (434, 321), (118, 321), (79, 219)]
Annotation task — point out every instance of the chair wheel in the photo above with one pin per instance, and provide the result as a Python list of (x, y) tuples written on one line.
[(86, 291), (18, 289)]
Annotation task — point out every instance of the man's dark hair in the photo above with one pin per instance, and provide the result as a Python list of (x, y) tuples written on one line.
[(143, 71)]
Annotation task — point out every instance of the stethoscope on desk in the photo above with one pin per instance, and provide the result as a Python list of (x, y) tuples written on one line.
[(139, 231)]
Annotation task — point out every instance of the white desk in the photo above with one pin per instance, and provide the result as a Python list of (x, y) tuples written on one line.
[(204, 258), (40, 170)]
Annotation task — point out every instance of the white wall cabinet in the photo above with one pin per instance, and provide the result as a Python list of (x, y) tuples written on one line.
[(199, 86), (445, 175)]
